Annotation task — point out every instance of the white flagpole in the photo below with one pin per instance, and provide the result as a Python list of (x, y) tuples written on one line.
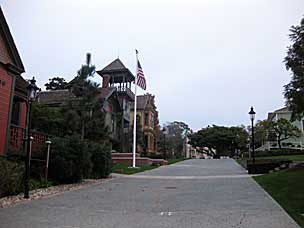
[(134, 118)]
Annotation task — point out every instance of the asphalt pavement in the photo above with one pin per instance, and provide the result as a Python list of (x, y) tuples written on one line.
[(188, 194)]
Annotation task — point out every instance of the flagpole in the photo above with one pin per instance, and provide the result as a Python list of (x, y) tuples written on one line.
[(134, 118)]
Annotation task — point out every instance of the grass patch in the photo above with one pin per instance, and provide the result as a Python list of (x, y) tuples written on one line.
[(238, 161), (126, 169), (288, 157), (174, 160), (35, 184), (286, 187)]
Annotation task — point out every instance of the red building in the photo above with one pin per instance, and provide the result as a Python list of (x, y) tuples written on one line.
[(13, 92)]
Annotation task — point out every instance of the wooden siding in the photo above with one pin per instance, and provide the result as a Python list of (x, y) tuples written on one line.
[(5, 98)]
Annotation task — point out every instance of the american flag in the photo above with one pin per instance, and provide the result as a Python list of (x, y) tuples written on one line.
[(141, 81)]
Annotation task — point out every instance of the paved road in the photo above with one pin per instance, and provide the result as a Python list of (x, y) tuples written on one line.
[(189, 194)]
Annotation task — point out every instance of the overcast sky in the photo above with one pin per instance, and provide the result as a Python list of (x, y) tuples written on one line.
[(205, 61)]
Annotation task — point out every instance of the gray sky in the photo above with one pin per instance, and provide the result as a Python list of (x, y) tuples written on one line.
[(206, 61)]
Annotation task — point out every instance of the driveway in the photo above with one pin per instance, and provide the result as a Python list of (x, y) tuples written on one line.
[(193, 193)]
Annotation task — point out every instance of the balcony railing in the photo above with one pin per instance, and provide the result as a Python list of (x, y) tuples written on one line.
[(17, 136)]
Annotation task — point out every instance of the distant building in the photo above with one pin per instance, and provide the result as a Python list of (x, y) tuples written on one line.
[(148, 119), (115, 97), (13, 92), (187, 148), (295, 142)]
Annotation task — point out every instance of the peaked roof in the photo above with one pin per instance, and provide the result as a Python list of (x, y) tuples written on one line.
[(5, 32), (55, 96), (106, 92), (117, 69), (285, 109), (272, 114), (143, 100), (115, 65)]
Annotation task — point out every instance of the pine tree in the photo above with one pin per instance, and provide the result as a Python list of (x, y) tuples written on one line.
[(294, 61), (86, 108)]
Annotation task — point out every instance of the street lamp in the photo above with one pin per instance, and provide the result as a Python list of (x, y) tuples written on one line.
[(165, 131), (32, 92), (252, 116), (48, 143)]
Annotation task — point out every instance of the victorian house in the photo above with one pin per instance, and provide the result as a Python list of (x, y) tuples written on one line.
[(148, 121), (115, 97), (116, 76), (13, 92)]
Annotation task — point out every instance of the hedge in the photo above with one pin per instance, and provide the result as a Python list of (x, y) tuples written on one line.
[(71, 160), (279, 152), (11, 177)]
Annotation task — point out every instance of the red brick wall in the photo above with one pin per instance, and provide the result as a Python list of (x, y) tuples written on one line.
[(4, 55), (5, 97)]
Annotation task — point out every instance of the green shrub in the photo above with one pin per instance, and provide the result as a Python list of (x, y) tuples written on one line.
[(35, 184), (278, 152), (11, 177), (70, 160), (101, 159), (37, 169), (155, 156)]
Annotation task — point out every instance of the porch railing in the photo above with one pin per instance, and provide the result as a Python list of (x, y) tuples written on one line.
[(17, 136)]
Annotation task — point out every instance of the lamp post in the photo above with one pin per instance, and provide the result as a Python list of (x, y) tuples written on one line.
[(164, 130), (32, 91), (252, 116), (48, 142)]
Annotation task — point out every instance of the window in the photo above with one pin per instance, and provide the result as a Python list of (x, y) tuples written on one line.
[(302, 125), (152, 120), (16, 113), (146, 119)]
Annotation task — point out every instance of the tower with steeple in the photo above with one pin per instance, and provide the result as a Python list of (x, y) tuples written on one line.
[(117, 76)]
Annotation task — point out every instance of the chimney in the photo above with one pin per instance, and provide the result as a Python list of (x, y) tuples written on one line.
[(105, 81)]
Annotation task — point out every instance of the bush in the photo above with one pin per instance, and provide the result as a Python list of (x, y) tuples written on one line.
[(101, 159), (155, 156), (11, 177), (279, 152), (265, 165), (70, 160)]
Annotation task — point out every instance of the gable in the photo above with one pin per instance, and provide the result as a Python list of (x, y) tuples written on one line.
[(115, 65), (9, 53), (4, 54)]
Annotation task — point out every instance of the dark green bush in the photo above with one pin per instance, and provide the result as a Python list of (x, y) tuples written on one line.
[(38, 169), (11, 177), (155, 156), (101, 159), (70, 160), (279, 152)]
